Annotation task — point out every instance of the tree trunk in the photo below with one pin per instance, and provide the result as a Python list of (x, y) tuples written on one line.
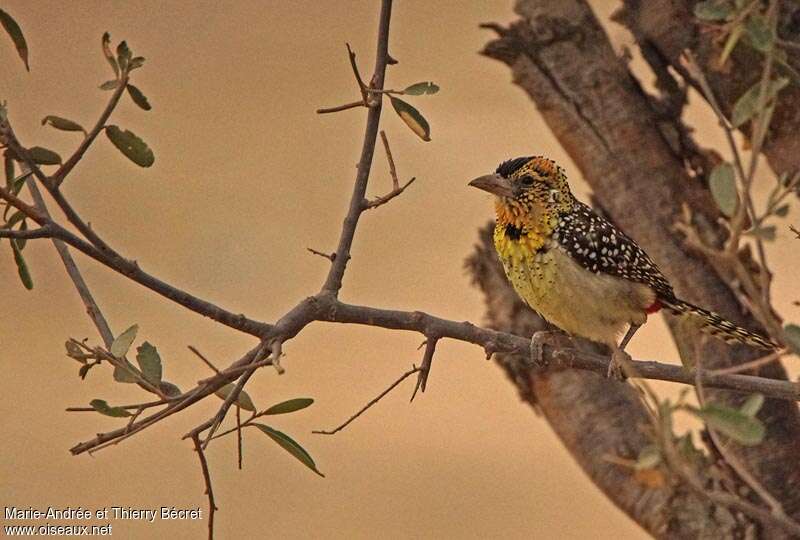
[(632, 150)]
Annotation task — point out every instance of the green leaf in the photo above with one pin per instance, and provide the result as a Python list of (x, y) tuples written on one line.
[(421, 88), (43, 156), (289, 406), (19, 182), (792, 333), (782, 210), (123, 55), (759, 32), (84, 370), (752, 405), (75, 352), (22, 267), (733, 423), (713, 10), (106, 44), (15, 218), (764, 232), (132, 146), (109, 85), (723, 188), (289, 444), (136, 63), (122, 375), (21, 242), (62, 123), (169, 389), (746, 106), (101, 406), (139, 98), (14, 31), (149, 362), (123, 341), (649, 457), (412, 117), (242, 400)]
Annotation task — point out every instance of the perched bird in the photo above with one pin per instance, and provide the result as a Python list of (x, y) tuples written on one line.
[(577, 270)]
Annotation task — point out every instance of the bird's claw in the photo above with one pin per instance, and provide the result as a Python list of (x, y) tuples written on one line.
[(538, 341), (616, 365)]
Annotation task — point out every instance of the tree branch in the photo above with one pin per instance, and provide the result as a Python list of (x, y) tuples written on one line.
[(334, 280)]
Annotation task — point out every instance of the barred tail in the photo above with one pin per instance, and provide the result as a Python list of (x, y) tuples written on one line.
[(715, 325)]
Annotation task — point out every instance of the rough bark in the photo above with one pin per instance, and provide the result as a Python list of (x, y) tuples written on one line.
[(634, 156)]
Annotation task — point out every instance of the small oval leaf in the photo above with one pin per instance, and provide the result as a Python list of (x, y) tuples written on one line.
[(764, 232), (746, 106), (122, 342), (759, 32), (149, 362), (22, 266), (792, 333), (420, 88), (15, 32), (62, 123), (139, 98), (723, 188), (242, 400), (752, 405), (43, 156), (713, 10), (122, 375), (649, 457), (106, 44), (123, 55), (132, 146), (289, 444), (289, 406), (109, 85), (412, 117), (101, 406), (733, 423)]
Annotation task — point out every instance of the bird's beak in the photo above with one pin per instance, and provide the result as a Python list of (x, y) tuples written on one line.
[(493, 183)]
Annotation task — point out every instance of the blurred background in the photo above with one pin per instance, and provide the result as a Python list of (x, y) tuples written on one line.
[(246, 177)]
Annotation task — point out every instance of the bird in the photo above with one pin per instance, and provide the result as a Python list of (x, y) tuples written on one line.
[(579, 271)]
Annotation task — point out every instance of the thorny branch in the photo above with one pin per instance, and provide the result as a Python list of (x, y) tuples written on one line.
[(212, 507), (376, 399)]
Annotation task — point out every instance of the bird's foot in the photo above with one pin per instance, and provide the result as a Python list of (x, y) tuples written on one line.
[(616, 366), (538, 341)]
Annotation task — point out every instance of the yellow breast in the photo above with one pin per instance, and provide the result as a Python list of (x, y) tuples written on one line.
[(583, 303)]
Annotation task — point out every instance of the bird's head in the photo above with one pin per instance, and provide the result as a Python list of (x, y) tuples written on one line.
[(527, 188)]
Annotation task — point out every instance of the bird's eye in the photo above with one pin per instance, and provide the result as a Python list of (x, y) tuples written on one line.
[(527, 180)]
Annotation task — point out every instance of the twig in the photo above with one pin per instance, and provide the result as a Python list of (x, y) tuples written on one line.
[(795, 231), (425, 367), (390, 159), (130, 269), (397, 189), (73, 160), (204, 359), (239, 434), (330, 256), (142, 406), (92, 309), (41, 232), (372, 402), (212, 507), (751, 365), (344, 107), (361, 86)]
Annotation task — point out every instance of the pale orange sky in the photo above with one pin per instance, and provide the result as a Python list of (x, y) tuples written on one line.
[(246, 177)]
